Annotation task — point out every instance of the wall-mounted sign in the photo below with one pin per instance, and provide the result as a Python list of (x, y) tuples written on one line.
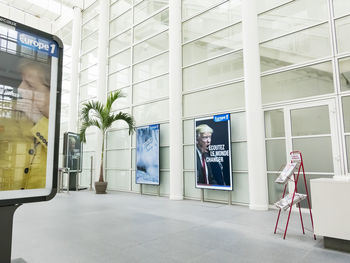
[(213, 152), (147, 155)]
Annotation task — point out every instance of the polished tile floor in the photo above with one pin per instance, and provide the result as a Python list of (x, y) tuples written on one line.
[(124, 227)]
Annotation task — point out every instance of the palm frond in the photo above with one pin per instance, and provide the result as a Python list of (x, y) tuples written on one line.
[(112, 98), (92, 109), (85, 125), (124, 117)]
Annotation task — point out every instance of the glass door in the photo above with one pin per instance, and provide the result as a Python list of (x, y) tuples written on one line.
[(311, 129)]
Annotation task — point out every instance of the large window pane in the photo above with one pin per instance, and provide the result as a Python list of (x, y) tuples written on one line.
[(119, 139), (310, 121), (152, 26), (224, 41), (88, 91), (151, 68), (89, 43), (147, 8), (275, 154), (120, 42), (152, 112), (275, 190), (347, 139), (90, 12), (274, 124), (119, 79), (120, 24), (88, 59), (118, 180), (264, 5), (119, 159), (214, 71), (119, 7), (299, 47), (298, 83), (89, 27), (317, 153), (193, 7), (344, 71), (239, 156), (346, 113), (88, 75), (151, 89), (123, 101), (188, 132), (120, 61), (151, 47), (238, 126), (291, 17), (342, 27), (223, 98), (216, 18), (341, 7)]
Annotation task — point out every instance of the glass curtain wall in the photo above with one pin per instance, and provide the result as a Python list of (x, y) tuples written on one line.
[(88, 79), (304, 56), (213, 84), (138, 66)]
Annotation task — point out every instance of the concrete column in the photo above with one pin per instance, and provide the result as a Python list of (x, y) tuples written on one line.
[(258, 193), (102, 57), (76, 42), (175, 101)]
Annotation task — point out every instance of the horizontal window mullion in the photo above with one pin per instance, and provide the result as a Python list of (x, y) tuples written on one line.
[(210, 33), (154, 56), (91, 18), (149, 37), (213, 86), (212, 58), (115, 18), (88, 35), (210, 115), (120, 33), (275, 138), (276, 7), (293, 32), (311, 136), (150, 101), (204, 11), (154, 77), (152, 15)]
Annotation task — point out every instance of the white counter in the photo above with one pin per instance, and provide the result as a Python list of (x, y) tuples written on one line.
[(331, 207)]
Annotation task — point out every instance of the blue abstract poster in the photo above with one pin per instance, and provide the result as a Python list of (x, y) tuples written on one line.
[(147, 155)]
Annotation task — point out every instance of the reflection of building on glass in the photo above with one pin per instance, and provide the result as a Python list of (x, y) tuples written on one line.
[(208, 172), (24, 111), (147, 156)]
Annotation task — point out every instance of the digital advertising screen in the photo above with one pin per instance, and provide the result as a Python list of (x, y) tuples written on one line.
[(72, 151), (213, 152), (147, 155), (30, 93)]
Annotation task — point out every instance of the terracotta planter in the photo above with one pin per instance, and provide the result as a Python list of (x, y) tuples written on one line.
[(100, 187)]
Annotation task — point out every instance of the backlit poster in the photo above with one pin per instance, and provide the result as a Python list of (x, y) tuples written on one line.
[(213, 152), (30, 86), (147, 155)]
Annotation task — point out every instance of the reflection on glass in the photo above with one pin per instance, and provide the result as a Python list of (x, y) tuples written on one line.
[(310, 121), (120, 61), (151, 68), (274, 124), (346, 113), (152, 112), (120, 24), (193, 7), (88, 91), (317, 153), (298, 83), (224, 41), (341, 7), (89, 27), (224, 98), (214, 71), (275, 190), (238, 126), (90, 42), (264, 5), (120, 42), (147, 8), (151, 47), (344, 71), (119, 79), (90, 12), (119, 8), (292, 17), (152, 89), (299, 47), (216, 18), (342, 29), (88, 59), (88, 75), (275, 154), (152, 26)]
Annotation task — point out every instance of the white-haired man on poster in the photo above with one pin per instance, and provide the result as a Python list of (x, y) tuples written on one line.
[(208, 173)]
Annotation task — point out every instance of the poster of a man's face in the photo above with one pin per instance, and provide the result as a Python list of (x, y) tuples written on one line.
[(213, 152)]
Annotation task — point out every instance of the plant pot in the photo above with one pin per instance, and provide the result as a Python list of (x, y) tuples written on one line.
[(100, 187)]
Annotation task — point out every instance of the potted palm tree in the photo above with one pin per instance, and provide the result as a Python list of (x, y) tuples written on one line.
[(95, 113)]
